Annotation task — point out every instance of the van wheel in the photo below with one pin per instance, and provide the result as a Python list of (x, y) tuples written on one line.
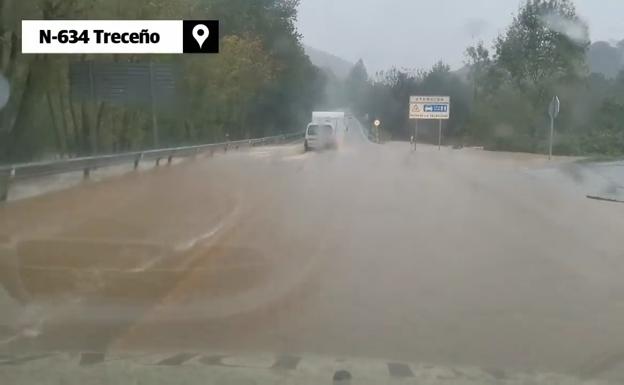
[(305, 146)]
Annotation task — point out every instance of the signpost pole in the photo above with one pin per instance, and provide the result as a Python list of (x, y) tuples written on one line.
[(440, 134), (553, 111), (415, 134), (552, 134)]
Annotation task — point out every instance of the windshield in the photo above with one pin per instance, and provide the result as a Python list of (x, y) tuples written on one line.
[(324, 129), (327, 129), (407, 191)]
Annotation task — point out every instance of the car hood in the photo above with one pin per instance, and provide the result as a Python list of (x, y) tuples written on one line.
[(258, 368)]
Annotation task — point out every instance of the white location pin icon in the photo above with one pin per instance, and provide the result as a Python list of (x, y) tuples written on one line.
[(200, 33)]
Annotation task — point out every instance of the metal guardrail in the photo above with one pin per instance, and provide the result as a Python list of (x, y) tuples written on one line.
[(87, 164)]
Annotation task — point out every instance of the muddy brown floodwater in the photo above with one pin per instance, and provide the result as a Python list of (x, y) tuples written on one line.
[(451, 257)]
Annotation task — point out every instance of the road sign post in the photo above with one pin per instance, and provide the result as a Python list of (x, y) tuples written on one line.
[(415, 134), (377, 123), (552, 134), (440, 135), (553, 111), (429, 108)]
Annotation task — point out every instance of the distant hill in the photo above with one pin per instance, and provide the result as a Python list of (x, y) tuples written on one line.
[(340, 67), (606, 59), (602, 58)]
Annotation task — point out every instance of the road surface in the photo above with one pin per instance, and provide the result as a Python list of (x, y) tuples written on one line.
[(453, 257)]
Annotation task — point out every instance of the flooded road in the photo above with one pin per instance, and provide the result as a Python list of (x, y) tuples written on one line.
[(451, 257)]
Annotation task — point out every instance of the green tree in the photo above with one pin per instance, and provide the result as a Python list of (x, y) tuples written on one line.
[(357, 86), (262, 82), (479, 64), (545, 43), (605, 135), (540, 55), (222, 89)]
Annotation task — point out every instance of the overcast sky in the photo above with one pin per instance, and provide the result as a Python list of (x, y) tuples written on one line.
[(417, 33)]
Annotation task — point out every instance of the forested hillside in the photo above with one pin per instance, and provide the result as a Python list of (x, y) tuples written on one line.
[(503, 101), (260, 84)]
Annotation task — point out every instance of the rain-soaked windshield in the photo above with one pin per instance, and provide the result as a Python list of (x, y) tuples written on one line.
[(166, 218), (315, 129)]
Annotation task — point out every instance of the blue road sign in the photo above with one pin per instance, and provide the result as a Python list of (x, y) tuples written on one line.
[(436, 108)]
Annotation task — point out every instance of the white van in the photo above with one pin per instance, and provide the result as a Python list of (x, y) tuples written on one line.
[(336, 118), (320, 136)]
